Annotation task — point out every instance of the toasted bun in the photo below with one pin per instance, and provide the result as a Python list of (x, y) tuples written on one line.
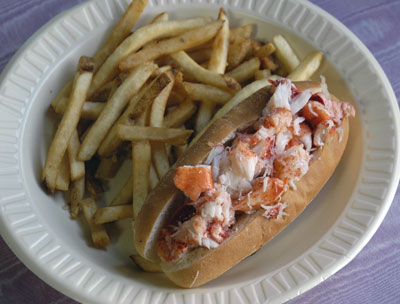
[(251, 232), (203, 265)]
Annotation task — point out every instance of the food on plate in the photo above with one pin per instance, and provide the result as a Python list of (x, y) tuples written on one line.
[(146, 97), (250, 174)]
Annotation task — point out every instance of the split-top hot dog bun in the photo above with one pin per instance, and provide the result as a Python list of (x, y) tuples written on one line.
[(251, 229)]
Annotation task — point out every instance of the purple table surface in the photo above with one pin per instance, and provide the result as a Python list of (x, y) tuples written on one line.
[(372, 277)]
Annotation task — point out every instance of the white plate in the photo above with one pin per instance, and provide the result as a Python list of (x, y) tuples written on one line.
[(323, 239)]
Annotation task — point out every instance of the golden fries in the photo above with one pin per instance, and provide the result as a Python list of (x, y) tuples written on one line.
[(112, 214), (90, 110), (121, 30), (180, 114), (135, 41), (238, 50), (113, 109), (99, 234), (164, 47), (285, 54), (207, 93), (307, 67), (63, 176), (76, 196), (141, 159), (246, 70), (136, 106), (217, 63), (171, 136), (124, 196), (69, 122), (244, 31), (160, 18), (203, 75), (76, 167)]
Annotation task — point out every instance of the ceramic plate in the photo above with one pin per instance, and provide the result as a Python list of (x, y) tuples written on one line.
[(332, 230)]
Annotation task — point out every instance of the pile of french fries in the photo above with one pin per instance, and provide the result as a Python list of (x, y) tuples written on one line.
[(147, 95)]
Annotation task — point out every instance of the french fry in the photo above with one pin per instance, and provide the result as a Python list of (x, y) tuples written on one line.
[(90, 109), (160, 18), (262, 51), (77, 191), (184, 41), (173, 136), (201, 56), (308, 66), (69, 122), (159, 104), (204, 115), (161, 70), (219, 53), (63, 176), (76, 167), (136, 106), (108, 167), (217, 63), (239, 97), (105, 92), (238, 51), (124, 196), (160, 159), (243, 31), (207, 93), (64, 93), (121, 30), (141, 159), (203, 75), (246, 70), (112, 214), (99, 234), (113, 109), (180, 114), (262, 74), (145, 265), (138, 39), (285, 54)]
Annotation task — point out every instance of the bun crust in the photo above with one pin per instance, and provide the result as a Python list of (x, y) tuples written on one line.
[(251, 232), (255, 231)]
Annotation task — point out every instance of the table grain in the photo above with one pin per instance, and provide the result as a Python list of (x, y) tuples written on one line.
[(373, 276)]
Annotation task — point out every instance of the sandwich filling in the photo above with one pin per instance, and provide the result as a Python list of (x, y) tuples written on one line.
[(252, 170)]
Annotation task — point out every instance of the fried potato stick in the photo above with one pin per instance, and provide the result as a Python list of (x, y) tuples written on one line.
[(99, 234), (207, 93), (141, 160), (217, 63), (113, 109), (307, 67), (136, 106), (246, 70), (201, 74), (173, 136), (285, 53), (77, 191), (69, 122), (138, 39), (112, 214), (76, 167), (184, 41)]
